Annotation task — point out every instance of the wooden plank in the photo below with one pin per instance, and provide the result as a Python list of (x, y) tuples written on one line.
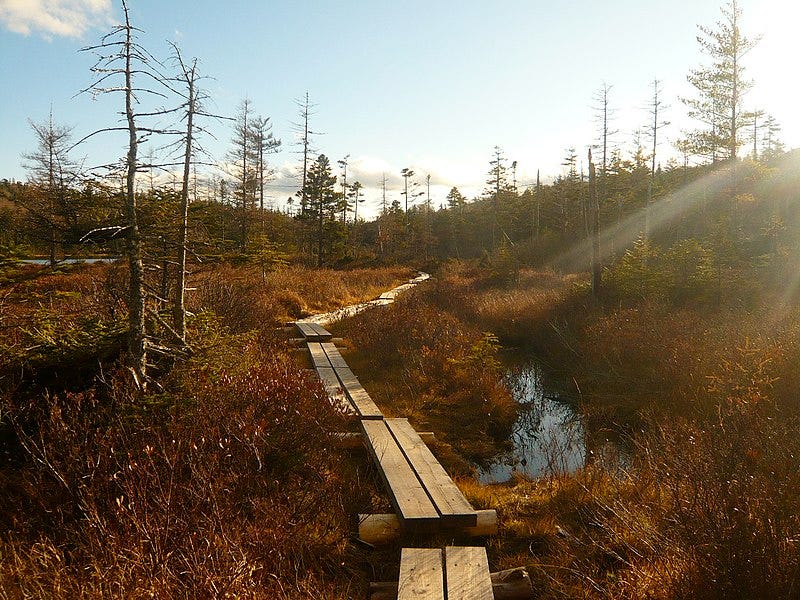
[(305, 329), (421, 576), (337, 361), (380, 529), (359, 397), (444, 493), (333, 388), (321, 332), (318, 356), (313, 332), (468, 575), (512, 584), (408, 497)]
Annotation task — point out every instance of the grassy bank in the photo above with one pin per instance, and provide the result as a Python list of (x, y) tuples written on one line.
[(225, 482), (420, 362), (707, 504)]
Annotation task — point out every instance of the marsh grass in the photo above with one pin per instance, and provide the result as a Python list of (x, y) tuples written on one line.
[(248, 299), (436, 370), (228, 484), (706, 503), (224, 483)]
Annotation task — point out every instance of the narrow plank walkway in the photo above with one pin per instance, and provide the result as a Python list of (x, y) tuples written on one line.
[(423, 495), (421, 491), (340, 381), (452, 573), (313, 332), (409, 498), (454, 509)]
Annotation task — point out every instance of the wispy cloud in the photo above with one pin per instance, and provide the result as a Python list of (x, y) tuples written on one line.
[(49, 18)]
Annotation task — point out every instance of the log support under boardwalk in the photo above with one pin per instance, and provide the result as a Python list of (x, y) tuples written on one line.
[(379, 529)]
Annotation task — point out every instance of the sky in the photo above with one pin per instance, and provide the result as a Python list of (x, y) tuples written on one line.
[(432, 85)]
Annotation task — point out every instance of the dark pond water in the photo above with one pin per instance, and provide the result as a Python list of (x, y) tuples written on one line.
[(548, 437)]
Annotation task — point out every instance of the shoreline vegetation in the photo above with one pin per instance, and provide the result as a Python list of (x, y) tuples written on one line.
[(705, 398), (707, 505)]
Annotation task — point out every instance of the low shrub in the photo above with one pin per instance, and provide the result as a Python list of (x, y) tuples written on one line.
[(248, 298), (231, 490)]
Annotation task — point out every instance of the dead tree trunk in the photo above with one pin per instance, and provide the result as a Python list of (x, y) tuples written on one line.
[(137, 341), (179, 310), (594, 208)]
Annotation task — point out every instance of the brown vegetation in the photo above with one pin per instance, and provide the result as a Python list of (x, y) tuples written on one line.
[(225, 482), (442, 373), (245, 299), (706, 505)]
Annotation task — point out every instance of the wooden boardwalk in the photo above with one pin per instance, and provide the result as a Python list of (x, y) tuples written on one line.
[(339, 381), (452, 573), (422, 493), (424, 497)]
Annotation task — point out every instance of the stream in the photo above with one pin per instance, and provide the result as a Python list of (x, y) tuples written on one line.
[(548, 437)]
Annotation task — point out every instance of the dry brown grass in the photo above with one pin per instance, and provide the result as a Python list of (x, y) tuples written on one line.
[(246, 300), (420, 362), (701, 512), (707, 506), (226, 484)]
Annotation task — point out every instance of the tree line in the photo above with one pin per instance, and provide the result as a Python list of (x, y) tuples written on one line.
[(578, 221)]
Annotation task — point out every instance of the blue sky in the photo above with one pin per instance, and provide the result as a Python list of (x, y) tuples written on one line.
[(428, 85)]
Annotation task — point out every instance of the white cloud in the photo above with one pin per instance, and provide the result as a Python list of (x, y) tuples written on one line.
[(68, 18)]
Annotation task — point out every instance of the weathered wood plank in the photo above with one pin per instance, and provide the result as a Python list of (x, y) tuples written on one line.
[(305, 329), (356, 393), (408, 497), (467, 571), (334, 389), (313, 332), (512, 584), (448, 499), (334, 356), (354, 441), (421, 576), (321, 331), (318, 356), (379, 529)]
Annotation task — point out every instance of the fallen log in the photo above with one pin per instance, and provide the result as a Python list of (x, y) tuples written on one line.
[(354, 441), (512, 584), (296, 341), (385, 528)]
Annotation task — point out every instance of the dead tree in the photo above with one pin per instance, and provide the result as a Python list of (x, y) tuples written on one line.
[(192, 107), (122, 63), (188, 76), (656, 110), (594, 209), (303, 129)]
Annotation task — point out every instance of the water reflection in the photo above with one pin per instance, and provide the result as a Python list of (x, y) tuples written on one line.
[(548, 437)]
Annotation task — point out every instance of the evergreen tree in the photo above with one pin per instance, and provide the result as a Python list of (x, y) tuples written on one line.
[(321, 200), (721, 87), (52, 172), (497, 182), (242, 163)]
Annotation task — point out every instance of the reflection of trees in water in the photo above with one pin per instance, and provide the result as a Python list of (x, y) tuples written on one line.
[(548, 436)]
